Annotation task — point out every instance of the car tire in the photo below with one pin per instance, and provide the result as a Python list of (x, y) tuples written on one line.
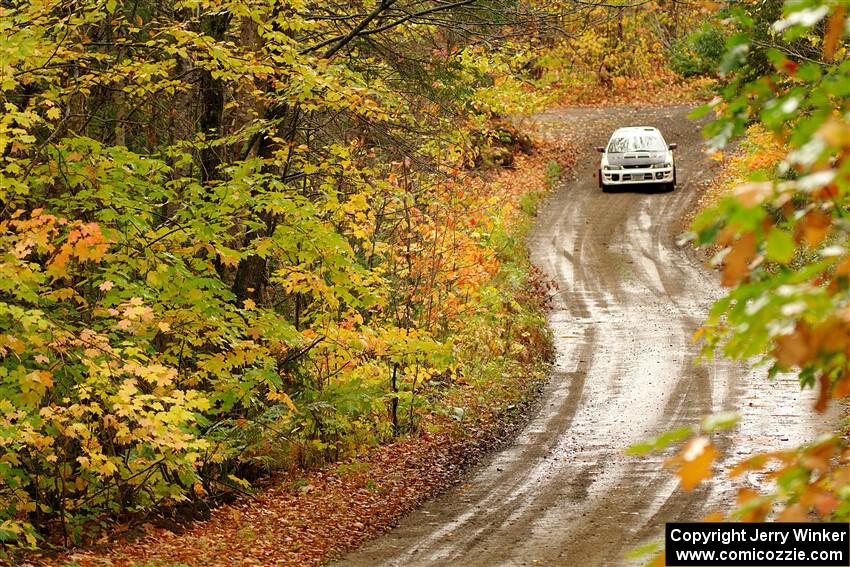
[(605, 188), (669, 187)]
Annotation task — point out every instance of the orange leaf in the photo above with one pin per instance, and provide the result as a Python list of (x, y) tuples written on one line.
[(695, 462), (736, 264), (823, 503), (754, 463), (790, 66), (829, 336), (745, 495), (814, 227), (714, 517), (794, 513), (793, 350), (698, 334), (756, 513), (823, 395), (833, 32), (753, 193), (842, 387)]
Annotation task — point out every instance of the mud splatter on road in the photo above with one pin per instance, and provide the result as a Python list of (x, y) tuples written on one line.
[(629, 300)]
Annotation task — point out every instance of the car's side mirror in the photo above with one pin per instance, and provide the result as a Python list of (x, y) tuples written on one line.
[(600, 149), (673, 146)]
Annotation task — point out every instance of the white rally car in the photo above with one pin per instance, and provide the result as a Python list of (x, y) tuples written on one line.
[(637, 155)]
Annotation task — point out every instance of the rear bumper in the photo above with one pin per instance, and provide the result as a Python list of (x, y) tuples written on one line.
[(637, 176)]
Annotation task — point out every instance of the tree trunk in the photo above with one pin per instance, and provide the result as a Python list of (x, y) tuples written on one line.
[(394, 403), (251, 274), (212, 102), (250, 279)]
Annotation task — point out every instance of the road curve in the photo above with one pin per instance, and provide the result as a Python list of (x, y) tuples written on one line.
[(629, 299)]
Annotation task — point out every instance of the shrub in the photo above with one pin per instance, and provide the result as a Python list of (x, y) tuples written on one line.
[(699, 52)]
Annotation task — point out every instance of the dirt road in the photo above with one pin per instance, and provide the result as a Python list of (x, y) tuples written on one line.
[(629, 300)]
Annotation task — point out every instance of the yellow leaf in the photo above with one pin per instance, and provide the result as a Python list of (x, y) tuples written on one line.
[(698, 334), (106, 468), (283, 397)]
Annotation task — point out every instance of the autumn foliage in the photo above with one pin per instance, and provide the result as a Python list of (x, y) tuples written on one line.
[(240, 237), (779, 236), (243, 237), (626, 54)]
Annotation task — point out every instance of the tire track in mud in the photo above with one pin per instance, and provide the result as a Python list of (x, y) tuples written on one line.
[(628, 302)]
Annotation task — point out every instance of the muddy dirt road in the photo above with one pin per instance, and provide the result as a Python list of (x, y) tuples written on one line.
[(628, 302)]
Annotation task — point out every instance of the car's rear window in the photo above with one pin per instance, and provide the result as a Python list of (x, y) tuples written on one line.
[(636, 143)]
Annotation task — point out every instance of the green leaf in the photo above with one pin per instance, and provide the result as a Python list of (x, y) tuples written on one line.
[(651, 548), (720, 421), (660, 442), (780, 246), (700, 111)]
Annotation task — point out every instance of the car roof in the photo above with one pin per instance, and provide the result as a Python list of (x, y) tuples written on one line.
[(632, 130)]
